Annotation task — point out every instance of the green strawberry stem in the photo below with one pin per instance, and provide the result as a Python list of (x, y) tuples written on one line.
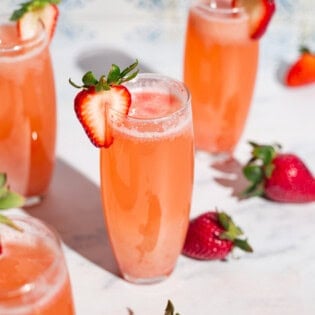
[(304, 50), (232, 232), (7, 221), (170, 310), (114, 77), (29, 6), (8, 199), (259, 167)]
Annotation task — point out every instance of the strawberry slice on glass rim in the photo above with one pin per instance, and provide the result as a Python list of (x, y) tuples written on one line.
[(31, 13), (101, 100), (260, 13)]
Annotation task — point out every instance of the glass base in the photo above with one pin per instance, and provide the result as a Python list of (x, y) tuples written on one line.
[(32, 201), (144, 280), (213, 158)]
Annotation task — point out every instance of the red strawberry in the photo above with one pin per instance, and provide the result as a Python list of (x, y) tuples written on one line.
[(260, 13), (303, 70), (31, 13), (278, 176), (91, 108), (101, 99), (213, 235)]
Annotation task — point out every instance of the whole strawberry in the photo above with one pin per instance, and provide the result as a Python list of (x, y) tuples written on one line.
[(213, 235), (302, 71), (278, 176)]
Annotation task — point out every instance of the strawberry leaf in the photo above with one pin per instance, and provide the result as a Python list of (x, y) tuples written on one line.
[(129, 69), (114, 77), (253, 144), (170, 310), (265, 153), (89, 79), (232, 231), (224, 220), (253, 173), (259, 167), (305, 50), (114, 74), (256, 189), (7, 221), (131, 76), (243, 244), (11, 200), (102, 84), (8, 199)]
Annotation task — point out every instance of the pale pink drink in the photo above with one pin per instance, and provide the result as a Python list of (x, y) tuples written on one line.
[(147, 178), (27, 111), (33, 273), (220, 70)]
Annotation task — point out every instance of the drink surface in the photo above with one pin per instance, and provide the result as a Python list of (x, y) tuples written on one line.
[(27, 114), (22, 263), (147, 177), (153, 105), (219, 69)]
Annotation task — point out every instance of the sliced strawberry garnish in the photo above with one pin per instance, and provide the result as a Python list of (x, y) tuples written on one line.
[(101, 100), (92, 109), (30, 13), (302, 71), (260, 13)]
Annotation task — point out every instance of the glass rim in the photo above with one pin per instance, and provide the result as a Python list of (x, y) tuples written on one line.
[(39, 38), (32, 285), (212, 8), (159, 77)]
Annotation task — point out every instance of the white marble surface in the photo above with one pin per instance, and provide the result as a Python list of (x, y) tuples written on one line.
[(279, 277)]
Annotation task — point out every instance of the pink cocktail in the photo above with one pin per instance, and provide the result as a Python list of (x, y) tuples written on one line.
[(220, 70), (27, 111), (147, 178), (34, 277)]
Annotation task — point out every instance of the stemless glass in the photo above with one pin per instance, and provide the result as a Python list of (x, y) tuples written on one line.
[(220, 68), (147, 178), (27, 111), (34, 277)]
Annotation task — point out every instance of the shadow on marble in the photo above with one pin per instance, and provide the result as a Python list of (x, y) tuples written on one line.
[(99, 60), (73, 207), (281, 71), (231, 176)]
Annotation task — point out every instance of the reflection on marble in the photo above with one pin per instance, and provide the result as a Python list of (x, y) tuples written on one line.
[(279, 277)]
